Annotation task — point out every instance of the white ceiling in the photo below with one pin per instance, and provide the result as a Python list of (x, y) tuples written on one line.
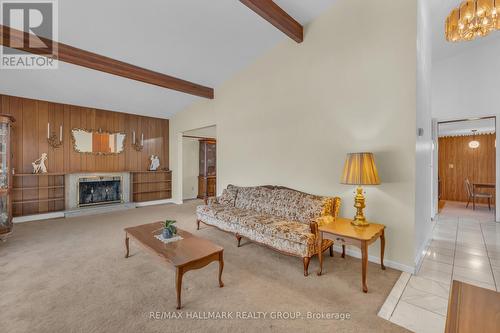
[(466, 127), (442, 49), (202, 41)]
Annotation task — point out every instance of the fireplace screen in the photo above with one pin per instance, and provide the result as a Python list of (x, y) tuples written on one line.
[(99, 190)]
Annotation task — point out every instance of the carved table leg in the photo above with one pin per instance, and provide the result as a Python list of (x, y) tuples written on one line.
[(221, 267), (178, 285), (126, 245), (238, 237), (331, 250), (364, 264), (343, 251), (320, 254), (382, 249), (197, 224)]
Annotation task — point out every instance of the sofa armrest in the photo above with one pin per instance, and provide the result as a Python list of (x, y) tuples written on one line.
[(336, 207), (326, 218), (211, 201), (314, 228)]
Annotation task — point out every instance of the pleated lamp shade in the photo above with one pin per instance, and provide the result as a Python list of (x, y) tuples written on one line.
[(360, 169)]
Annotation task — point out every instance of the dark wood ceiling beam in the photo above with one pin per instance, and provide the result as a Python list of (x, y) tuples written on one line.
[(275, 15), (79, 57)]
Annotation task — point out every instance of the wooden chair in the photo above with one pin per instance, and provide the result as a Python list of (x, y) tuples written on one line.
[(471, 195)]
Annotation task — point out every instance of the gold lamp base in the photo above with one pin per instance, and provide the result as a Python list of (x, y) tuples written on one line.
[(359, 204)]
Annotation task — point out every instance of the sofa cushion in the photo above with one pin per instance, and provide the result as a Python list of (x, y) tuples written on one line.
[(254, 198), (277, 227), (210, 210), (284, 245), (228, 196), (285, 203), (311, 207), (234, 214)]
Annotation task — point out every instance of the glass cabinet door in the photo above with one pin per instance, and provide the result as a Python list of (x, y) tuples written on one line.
[(5, 186), (5, 219), (4, 165)]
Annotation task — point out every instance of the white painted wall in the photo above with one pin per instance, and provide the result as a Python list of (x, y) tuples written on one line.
[(424, 153), (466, 85), (291, 117), (190, 168)]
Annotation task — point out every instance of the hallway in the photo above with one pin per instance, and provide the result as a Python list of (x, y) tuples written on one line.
[(465, 247)]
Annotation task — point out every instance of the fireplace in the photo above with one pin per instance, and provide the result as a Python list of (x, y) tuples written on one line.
[(99, 190)]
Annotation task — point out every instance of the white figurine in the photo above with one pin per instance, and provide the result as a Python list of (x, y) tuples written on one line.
[(155, 163), (39, 164)]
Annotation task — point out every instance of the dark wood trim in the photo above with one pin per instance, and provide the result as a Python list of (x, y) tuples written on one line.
[(199, 137), (79, 57), (275, 15)]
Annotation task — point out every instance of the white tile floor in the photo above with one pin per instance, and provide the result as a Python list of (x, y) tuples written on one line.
[(465, 247)]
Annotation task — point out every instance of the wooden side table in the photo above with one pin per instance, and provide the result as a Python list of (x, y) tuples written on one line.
[(341, 230)]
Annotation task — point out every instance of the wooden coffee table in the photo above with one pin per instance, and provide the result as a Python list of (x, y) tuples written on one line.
[(187, 254)]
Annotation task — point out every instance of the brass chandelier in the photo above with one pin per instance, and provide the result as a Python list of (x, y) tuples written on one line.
[(472, 19)]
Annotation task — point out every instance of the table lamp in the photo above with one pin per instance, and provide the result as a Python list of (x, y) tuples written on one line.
[(360, 169)]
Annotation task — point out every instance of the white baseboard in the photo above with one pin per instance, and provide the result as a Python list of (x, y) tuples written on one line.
[(419, 256), (389, 263), (155, 202), (37, 217)]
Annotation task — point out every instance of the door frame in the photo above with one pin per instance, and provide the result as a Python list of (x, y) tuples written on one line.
[(435, 170)]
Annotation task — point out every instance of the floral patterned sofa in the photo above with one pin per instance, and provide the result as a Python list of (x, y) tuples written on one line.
[(278, 217)]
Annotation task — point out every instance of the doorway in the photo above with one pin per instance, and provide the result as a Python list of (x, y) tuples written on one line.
[(467, 168), (199, 163)]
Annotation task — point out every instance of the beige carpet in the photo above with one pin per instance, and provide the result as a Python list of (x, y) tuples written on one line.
[(69, 275)]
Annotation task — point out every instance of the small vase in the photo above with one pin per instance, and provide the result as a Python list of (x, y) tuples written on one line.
[(167, 233)]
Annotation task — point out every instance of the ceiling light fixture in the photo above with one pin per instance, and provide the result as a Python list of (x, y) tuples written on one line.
[(472, 19), (474, 143)]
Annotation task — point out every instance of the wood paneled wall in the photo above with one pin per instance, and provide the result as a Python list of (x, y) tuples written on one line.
[(30, 136), (457, 162)]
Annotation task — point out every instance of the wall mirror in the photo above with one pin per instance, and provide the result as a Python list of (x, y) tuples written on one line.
[(97, 142)]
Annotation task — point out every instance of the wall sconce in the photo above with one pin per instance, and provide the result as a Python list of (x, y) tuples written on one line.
[(52, 139), (137, 145)]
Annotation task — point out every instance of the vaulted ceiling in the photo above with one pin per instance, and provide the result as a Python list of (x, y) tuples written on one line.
[(202, 41)]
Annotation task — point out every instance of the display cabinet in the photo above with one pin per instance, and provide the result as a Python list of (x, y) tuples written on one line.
[(5, 175), (208, 166)]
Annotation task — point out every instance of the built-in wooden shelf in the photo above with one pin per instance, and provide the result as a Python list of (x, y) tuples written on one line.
[(153, 182), (68, 173), (145, 186), (151, 185), (155, 191), (38, 193), (37, 174), (37, 188), (151, 172), (38, 200)]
